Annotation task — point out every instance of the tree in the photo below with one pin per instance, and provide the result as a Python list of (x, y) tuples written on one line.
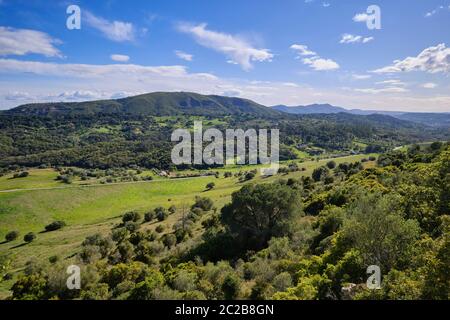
[(378, 230), (210, 186), (55, 225), (11, 236), (146, 289), (29, 237), (320, 173), (231, 287), (436, 145), (203, 203), (30, 287), (149, 216), (169, 240), (161, 214), (331, 164), (259, 212), (131, 216), (172, 209)]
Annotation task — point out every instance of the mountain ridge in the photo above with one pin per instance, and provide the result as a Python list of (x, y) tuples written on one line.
[(155, 104), (190, 103), (433, 119)]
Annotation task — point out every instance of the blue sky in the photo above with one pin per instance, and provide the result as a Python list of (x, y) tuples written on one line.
[(292, 52)]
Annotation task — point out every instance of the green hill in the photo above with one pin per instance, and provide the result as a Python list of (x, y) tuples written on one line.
[(155, 104)]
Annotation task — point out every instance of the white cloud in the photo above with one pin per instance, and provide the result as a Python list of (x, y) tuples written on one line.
[(429, 85), (114, 30), (382, 90), (361, 76), (432, 60), (94, 71), (361, 17), (349, 38), (392, 82), (302, 50), (120, 58), (315, 61), (236, 49), (320, 64), (434, 11), (45, 82), (325, 4), (184, 56), (24, 41)]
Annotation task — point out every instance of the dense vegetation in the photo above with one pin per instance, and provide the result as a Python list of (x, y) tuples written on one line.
[(136, 131), (307, 238)]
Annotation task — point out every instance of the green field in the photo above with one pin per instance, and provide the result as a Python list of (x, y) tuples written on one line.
[(96, 208)]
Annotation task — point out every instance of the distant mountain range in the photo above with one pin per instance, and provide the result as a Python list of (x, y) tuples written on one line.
[(188, 103), (154, 104), (431, 119)]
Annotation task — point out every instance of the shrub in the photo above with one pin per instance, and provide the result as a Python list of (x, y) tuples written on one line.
[(149, 216), (11, 236), (331, 164), (29, 237), (53, 259), (23, 174), (210, 186), (159, 228), (172, 209), (131, 216), (132, 226), (250, 175), (169, 240), (328, 180), (55, 225), (161, 214), (205, 204), (319, 173), (231, 287)]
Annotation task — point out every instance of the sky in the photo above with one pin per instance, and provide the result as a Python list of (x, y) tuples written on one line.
[(394, 56)]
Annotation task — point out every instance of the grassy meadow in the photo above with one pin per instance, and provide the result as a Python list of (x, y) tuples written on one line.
[(29, 204)]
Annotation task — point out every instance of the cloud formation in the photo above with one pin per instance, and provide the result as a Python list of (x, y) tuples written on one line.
[(349, 38), (432, 60), (312, 59), (46, 82), (302, 50), (183, 55), (118, 31), (24, 41), (429, 85), (361, 17), (236, 49), (436, 10), (120, 57)]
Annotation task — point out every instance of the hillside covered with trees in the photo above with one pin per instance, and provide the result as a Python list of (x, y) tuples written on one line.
[(136, 131), (307, 238)]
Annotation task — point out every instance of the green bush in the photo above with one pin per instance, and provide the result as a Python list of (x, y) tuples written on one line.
[(55, 225), (11, 236), (131, 216), (29, 237)]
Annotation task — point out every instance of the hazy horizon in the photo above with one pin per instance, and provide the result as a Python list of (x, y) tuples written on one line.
[(268, 106)]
